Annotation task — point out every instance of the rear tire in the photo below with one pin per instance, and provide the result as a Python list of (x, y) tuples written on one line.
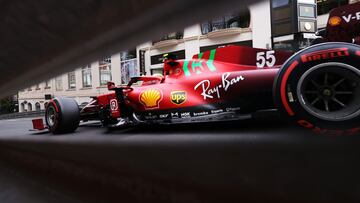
[(319, 89), (62, 115)]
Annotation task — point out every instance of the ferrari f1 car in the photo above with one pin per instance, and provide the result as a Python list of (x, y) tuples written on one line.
[(317, 88)]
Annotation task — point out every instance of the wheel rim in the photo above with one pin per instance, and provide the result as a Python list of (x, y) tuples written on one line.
[(51, 116), (330, 91)]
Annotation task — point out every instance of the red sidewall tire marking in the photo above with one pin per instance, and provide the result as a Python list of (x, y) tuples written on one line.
[(56, 107), (283, 88)]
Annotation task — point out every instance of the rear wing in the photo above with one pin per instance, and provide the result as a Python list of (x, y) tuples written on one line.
[(344, 24)]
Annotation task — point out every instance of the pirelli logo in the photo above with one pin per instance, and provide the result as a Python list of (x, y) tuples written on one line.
[(325, 54)]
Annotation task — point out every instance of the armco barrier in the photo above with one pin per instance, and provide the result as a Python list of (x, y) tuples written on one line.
[(22, 115)]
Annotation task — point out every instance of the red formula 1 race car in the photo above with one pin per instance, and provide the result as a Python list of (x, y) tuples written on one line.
[(317, 88)]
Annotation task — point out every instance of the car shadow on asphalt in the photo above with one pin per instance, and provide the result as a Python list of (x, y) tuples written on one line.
[(262, 127), (41, 133), (242, 126)]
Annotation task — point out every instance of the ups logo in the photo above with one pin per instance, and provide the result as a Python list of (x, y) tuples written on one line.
[(178, 97)]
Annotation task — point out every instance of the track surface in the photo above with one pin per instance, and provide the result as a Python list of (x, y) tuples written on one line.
[(258, 160), (17, 188)]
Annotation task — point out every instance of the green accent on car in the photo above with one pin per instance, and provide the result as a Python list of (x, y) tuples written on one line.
[(210, 63), (197, 67), (197, 64), (185, 68)]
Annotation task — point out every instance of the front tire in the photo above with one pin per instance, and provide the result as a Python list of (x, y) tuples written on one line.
[(319, 89), (62, 115)]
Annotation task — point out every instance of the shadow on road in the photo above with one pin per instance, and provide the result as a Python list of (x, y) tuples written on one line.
[(253, 125)]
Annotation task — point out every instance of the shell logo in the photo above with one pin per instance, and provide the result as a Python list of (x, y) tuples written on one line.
[(151, 98), (335, 20)]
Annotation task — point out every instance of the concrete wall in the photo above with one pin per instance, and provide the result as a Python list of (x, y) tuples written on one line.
[(261, 24)]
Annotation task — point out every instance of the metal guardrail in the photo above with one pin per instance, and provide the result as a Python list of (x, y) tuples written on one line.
[(22, 115)]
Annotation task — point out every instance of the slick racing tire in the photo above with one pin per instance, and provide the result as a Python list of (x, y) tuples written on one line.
[(62, 115), (319, 88)]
